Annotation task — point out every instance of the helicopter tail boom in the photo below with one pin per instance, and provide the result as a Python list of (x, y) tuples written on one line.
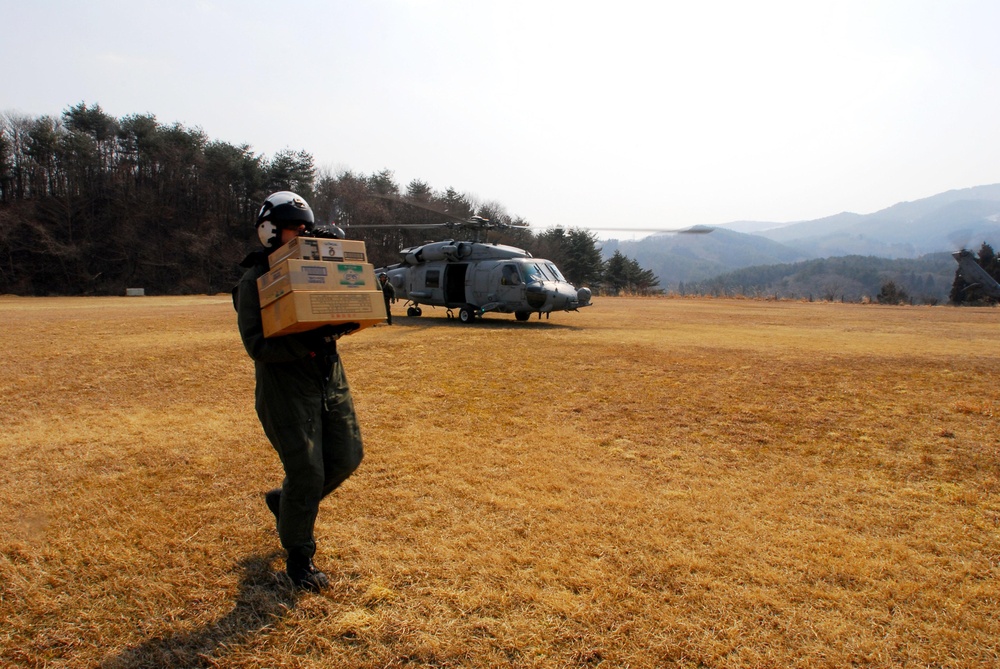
[(970, 270)]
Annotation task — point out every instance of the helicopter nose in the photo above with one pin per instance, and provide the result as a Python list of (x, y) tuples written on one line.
[(559, 297), (564, 297), (559, 300)]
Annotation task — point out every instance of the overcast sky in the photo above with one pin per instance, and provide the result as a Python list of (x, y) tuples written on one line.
[(567, 112)]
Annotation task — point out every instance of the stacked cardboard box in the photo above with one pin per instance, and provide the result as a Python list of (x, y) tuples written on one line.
[(315, 282), (313, 248)]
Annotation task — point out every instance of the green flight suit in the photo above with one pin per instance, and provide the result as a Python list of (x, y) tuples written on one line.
[(305, 407)]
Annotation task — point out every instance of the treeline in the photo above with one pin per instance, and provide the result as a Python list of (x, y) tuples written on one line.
[(91, 205), (932, 279)]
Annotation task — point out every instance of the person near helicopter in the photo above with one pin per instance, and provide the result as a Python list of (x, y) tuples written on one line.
[(510, 276), (388, 294), (302, 397)]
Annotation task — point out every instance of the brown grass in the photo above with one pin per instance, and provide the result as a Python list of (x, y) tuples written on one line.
[(648, 483)]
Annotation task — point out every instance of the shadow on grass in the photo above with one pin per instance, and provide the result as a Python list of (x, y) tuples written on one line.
[(497, 322), (263, 600)]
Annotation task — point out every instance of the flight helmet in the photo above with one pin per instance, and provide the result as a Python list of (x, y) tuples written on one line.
[(283, 209)]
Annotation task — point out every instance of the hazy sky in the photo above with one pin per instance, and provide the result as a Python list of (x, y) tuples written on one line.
[(574, 113)]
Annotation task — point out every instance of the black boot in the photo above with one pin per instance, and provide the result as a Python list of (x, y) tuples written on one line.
[(273, 500), (304, 573)]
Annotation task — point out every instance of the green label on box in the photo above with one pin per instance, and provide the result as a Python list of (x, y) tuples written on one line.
[(351, 275)]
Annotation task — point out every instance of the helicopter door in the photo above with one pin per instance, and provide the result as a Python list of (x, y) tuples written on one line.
[(511, 288), (454, 284)]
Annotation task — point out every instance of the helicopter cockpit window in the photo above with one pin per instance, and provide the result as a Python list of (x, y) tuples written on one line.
[(510, 276), (533, 273), (555, 272), (433, 278)]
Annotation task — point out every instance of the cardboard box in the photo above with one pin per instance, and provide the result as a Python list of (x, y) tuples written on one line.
[(315, 275), (299, 311), (314, 248)]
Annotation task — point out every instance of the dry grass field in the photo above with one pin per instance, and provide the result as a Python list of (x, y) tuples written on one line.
[(647, 483)]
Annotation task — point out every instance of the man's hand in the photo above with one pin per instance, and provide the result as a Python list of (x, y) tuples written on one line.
[(323, 340), (338, 331)]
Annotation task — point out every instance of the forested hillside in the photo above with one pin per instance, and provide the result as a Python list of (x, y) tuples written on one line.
[(91, 205), (931, 279), (846, 278)]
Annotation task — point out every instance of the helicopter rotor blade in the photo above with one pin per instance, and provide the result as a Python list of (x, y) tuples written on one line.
[(420, 205), (401, 226), (691, 230), (479, 223), (469, 222)]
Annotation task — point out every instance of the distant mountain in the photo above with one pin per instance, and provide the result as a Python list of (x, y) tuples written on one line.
[(685, 258), (943, 222)]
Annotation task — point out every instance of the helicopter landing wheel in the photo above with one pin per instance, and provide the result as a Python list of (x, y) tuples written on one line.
[(522, 315), (413, 311), (467, 314)]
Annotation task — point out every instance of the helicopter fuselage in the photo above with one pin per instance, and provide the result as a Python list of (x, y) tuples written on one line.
[(478, 278)]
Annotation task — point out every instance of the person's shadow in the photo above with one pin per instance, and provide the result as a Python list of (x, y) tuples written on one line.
[(264, 598)]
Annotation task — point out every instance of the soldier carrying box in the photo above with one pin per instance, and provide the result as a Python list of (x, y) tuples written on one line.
[(302, 397)]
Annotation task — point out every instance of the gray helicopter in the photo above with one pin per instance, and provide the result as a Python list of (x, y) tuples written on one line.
[(478, 277)]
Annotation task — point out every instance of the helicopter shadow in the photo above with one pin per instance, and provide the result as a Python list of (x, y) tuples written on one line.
[(263, 600), (425, 321)]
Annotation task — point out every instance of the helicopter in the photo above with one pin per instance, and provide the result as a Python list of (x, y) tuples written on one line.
[(975, 275), (478, 277)]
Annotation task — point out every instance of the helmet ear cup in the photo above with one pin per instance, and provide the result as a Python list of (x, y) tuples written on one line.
[(268, 233)]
